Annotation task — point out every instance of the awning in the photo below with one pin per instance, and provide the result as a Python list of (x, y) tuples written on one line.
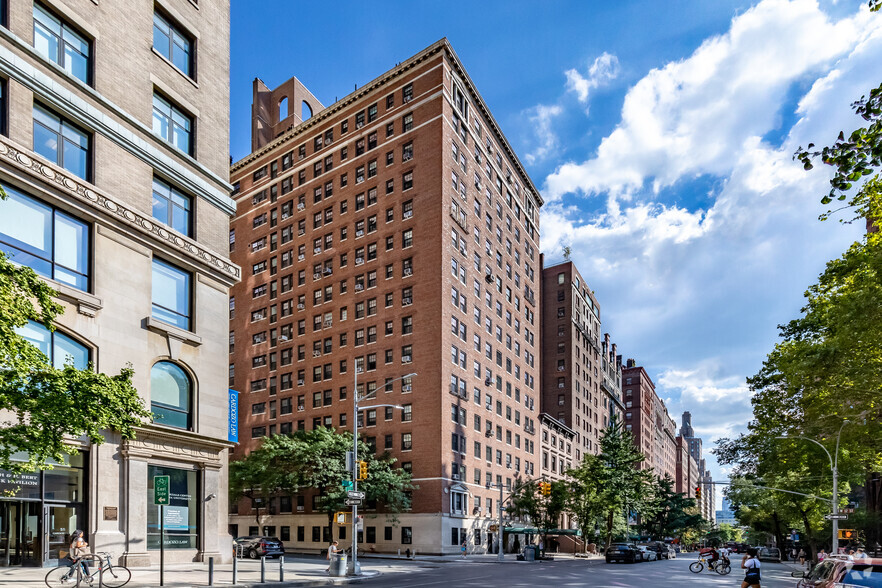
[(573, 532), (521, 530)]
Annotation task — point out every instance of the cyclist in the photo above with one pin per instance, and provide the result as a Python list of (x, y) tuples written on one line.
[(714, 556)]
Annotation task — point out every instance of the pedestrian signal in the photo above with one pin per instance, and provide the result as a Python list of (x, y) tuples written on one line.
[(847, 534)]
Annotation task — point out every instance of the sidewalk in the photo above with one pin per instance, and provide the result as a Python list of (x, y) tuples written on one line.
[(299, 571)]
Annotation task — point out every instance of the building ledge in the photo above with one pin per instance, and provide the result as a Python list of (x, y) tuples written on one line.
[(87, 304), (175, 336)]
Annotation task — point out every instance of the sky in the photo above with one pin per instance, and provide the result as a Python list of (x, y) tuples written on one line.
[(661, 137)]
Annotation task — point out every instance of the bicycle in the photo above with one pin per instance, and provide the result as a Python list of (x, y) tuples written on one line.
[(103, 572), (722, 567)]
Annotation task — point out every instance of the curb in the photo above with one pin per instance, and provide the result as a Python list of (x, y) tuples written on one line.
[(324, 581)]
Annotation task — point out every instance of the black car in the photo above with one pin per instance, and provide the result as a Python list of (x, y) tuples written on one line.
[(623, 552), (255, 546)]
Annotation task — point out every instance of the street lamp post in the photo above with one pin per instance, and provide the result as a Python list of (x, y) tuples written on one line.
[(354, 565), (834, 467)]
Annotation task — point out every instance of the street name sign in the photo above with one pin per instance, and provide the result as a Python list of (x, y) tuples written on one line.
[(355, 494), (160, 490)]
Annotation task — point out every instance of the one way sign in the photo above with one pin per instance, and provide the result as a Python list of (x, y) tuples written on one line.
[(836, 517)]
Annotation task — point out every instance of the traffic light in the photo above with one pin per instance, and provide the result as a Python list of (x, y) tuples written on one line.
[(362, 471), (545, 488), (847, 534), (698, 491)]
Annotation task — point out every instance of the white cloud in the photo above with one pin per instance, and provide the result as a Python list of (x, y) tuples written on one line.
[(694, 292), (540, 118), (604, 69), (690, 117)]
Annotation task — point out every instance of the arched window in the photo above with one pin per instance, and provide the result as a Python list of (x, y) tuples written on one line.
[(283, 108), (170, 395), (58, 347), (305, 110)]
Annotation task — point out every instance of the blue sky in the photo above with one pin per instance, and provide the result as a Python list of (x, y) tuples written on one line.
[(661, 136)]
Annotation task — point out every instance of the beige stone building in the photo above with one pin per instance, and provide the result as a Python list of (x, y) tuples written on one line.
[(114, 153)]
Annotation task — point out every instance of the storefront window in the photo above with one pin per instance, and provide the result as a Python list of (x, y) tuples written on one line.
[(181, 515)]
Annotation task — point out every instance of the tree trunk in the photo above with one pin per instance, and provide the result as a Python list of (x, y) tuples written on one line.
[(609, 526), (873, 490), (779, 538), (809, 533)]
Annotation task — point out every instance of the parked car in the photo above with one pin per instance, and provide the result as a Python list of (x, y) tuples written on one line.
[(623, 552), (661, 550), (840, 571), (769, 554), (646, 554), (256, 546)]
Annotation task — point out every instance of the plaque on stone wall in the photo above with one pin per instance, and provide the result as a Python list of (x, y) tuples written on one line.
[(110, 513)]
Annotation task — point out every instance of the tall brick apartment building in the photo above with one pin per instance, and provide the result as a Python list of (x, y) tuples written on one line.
[(646, 416), (392, 232), (581, 372)]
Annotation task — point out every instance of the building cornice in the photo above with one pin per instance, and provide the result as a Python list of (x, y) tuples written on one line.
[(103, 205), (79, 109), (382, 80), (547, 419)]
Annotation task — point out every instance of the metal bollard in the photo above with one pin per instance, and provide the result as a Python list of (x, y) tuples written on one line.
[(100, 574), (263, 569), (211, 571), (281, 568), (235, 569)]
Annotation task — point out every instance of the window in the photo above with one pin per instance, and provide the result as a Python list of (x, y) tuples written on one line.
[(171, 294), (170, 123), (57, 347), (184, 499), (57, 42), (406, 535), (407, 122), (48, 241), (62, 142), (172, 44), (172, 207), (170, 397), (406, 442)]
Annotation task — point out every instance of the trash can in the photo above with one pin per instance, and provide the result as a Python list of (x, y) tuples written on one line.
[(337, 567), (529, 553)]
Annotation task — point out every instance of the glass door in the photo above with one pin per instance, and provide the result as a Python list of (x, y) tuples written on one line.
[(61, 521), (20, 537)]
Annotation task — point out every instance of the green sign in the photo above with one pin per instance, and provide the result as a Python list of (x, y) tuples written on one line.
[(347, 484), (160, 490)]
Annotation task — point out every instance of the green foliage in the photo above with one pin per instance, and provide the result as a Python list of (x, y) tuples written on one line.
[(855, 157), (48, 405), (618, 486), (666, 513), (288, 464)]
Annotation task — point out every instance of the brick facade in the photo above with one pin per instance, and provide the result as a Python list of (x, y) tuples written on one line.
[(453, 218)]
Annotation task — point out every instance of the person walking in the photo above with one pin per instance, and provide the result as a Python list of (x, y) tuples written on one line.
[(333, 549), (464, 548), (751, 563), (822, 555), (79, 548), (802, 557)]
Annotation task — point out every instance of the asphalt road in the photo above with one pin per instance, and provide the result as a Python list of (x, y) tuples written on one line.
[(662, 574)]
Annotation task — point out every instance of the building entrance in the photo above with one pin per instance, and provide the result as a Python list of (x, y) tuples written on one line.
[(20, 526)]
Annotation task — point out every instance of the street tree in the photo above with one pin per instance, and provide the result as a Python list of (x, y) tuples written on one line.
[(585, 499), (667, 513), (621, 484), (46, 405), (316, 460)]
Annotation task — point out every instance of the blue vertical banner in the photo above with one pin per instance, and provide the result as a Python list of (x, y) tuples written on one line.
[(233, 428)]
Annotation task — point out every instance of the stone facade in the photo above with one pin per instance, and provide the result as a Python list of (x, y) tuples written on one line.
[(111, 316)]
